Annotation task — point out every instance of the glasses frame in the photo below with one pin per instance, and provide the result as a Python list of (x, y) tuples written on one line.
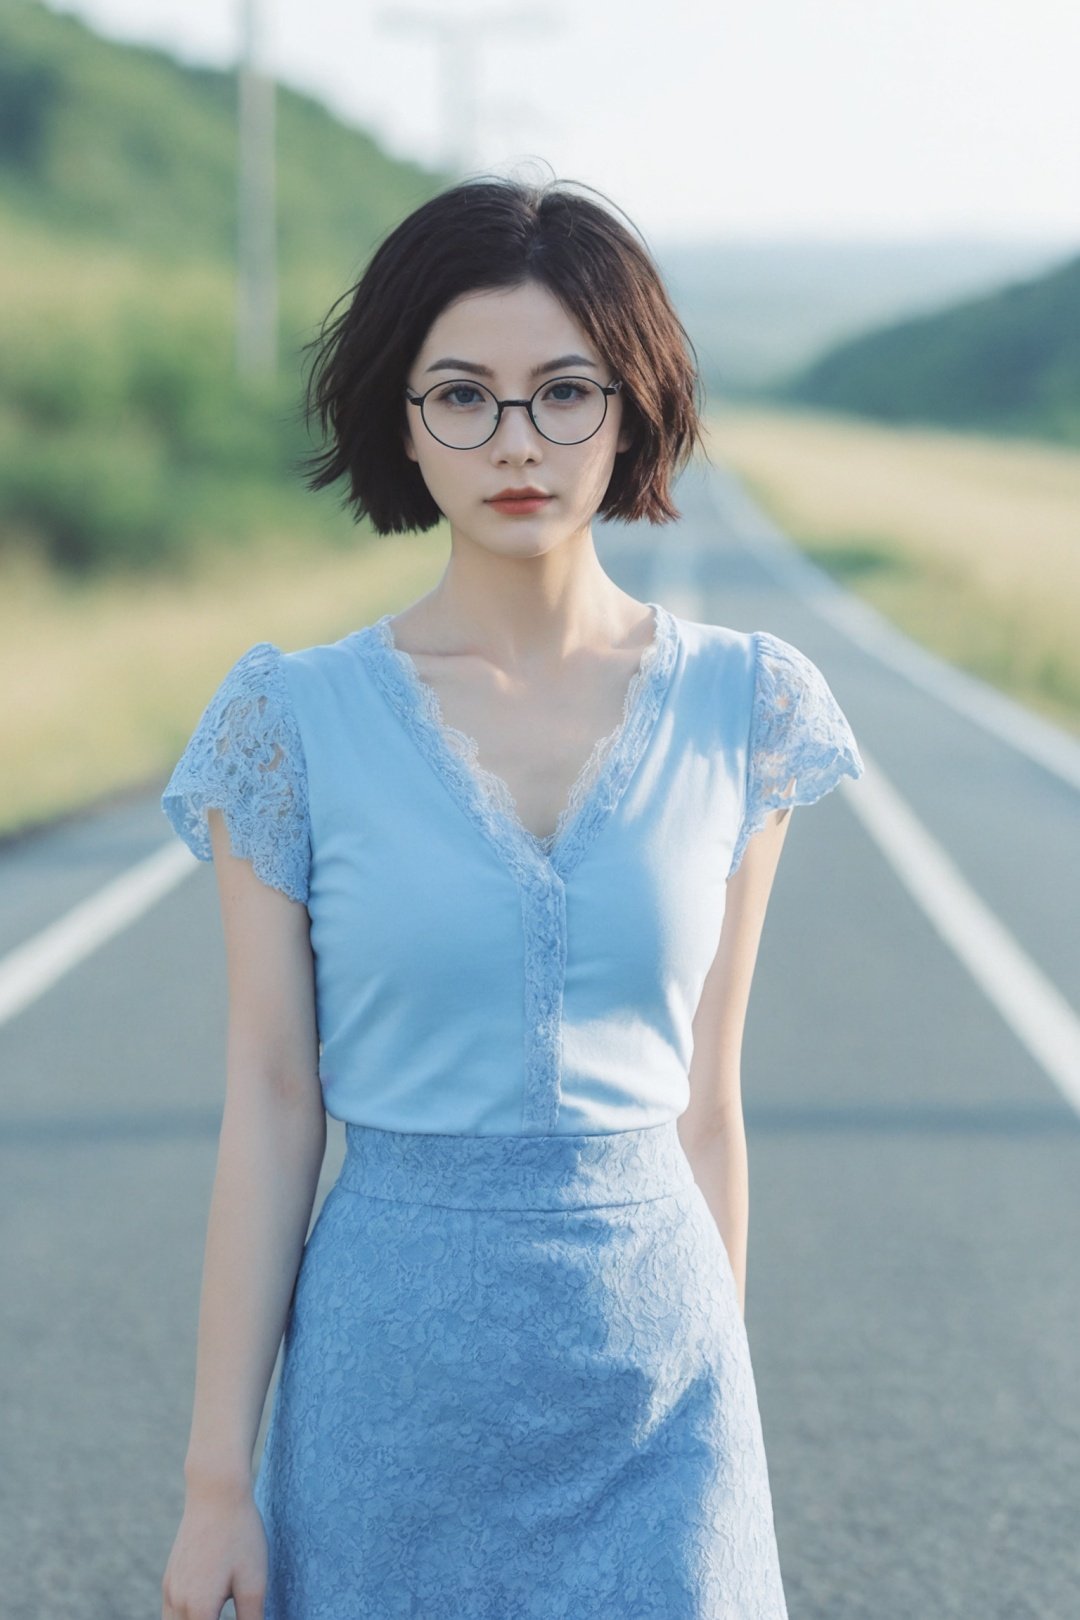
[(470, 382)]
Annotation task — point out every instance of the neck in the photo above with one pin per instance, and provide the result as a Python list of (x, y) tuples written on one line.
[(521, 611)]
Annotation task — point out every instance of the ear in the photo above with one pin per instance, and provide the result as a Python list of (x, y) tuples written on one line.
[(407, 442), (625, 439)]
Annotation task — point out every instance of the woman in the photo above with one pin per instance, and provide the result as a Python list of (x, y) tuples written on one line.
[(492, 870)]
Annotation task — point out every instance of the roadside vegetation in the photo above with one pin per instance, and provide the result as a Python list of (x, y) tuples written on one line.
[(152, 521), (1005, 363), (153, 524), (969, 543)]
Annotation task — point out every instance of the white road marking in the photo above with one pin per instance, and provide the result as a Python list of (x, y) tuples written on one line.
[(1048, 745), (1027, 1001), (33, 967), (1034, 1009)]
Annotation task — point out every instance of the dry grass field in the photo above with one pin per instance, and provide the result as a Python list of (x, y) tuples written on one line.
[(970, 544), (107, 679)]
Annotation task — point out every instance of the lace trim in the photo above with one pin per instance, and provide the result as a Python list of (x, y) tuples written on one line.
[(540, 875), (494, 788), (246, 759), (798, 730)]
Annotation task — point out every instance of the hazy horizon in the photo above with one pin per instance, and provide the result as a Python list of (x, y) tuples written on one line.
[(789, 120)]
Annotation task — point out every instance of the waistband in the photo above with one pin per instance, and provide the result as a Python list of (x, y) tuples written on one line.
[(548, 1171)]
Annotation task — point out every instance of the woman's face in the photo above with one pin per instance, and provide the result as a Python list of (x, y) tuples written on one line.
[(512, 333)]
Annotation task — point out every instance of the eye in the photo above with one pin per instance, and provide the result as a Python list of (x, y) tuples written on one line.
[(571, 391), (447, 396)]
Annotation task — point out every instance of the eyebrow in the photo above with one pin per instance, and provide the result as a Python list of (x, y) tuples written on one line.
[(450, 364)]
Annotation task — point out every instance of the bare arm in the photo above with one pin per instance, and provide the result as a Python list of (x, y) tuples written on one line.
[(273, 1137), (711, 1129), (271, 1147)]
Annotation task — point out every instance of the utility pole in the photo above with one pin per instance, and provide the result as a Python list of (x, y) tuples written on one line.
[(459, 36), (256, 282)]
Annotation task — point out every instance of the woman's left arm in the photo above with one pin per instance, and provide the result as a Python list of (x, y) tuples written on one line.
[(711, 1128)]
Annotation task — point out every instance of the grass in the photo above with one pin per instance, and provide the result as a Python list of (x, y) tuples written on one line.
[(970, 544), (111, 675)]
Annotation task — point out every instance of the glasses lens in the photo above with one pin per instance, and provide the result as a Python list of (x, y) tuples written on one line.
[(462, 414), (569, 409)]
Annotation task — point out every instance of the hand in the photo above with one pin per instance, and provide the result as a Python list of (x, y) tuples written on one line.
[(220, 1552)]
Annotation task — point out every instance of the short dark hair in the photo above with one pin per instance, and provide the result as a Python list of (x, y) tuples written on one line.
[(491, 233)]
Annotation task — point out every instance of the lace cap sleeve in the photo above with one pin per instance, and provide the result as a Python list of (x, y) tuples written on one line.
[(798, 730), (245, 758)]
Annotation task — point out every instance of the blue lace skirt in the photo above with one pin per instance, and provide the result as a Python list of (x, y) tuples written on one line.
[(516, 1382)]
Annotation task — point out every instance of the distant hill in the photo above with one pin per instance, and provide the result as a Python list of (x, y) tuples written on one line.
[(123, 143), (1008, 362), (757, 310)]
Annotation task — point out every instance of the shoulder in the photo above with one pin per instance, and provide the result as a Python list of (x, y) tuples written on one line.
[(755, 651), (778, 659), (767, 666), (253, 688), (797, 727), (263, 695), (800, 743), (328, 683), (716, 685), (713, 642), (245, 758), (739, 676), (791, 691), (718, 661), (325, 659), (249, 716)]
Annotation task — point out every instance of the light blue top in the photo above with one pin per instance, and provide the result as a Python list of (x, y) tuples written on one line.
[(471, 977)]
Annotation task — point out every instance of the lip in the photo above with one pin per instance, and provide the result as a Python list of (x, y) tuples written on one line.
[(526, 494), (520, 507)]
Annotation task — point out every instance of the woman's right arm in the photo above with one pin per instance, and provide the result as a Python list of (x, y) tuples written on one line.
[(271, 1147)]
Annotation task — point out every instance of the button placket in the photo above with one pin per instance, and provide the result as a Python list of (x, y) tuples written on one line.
[(541, 877), (543, 908)]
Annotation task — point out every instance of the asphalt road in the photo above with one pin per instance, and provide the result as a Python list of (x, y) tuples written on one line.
[(914, 1137)]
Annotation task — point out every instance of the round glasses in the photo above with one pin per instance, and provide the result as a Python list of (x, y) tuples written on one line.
[(463, 414)]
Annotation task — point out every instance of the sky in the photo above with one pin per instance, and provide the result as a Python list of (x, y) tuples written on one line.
[(837, 119)]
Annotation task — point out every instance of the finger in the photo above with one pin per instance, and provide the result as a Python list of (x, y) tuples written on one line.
[(249, 1603)]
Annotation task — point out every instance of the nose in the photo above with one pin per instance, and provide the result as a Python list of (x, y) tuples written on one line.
[(515, 435)]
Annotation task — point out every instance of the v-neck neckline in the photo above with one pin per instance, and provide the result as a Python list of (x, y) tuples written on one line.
[(485, 795)]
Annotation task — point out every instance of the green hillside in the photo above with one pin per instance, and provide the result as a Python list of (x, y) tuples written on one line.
[(760, 309), (125, 439), (1008, 362), (125, 143)]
